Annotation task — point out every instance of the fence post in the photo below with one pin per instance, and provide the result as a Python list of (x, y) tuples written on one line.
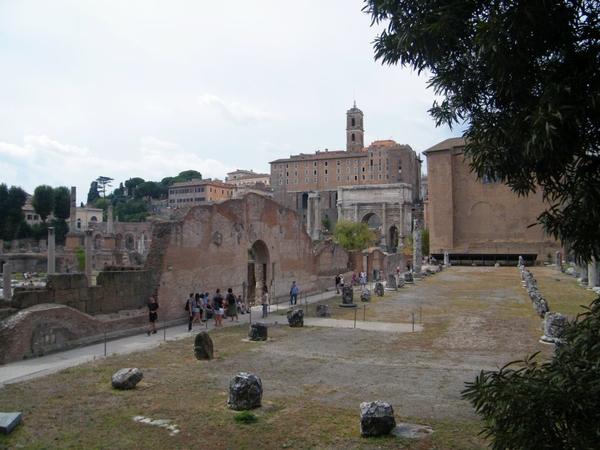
[(105, 343), (364, 313), (355, 318), (413, 322)]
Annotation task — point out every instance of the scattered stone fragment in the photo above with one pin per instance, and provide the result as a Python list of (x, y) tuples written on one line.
[(126, 378), (379, 291), (412, 431), (347, 295), (162, 423), (323, 311), (555, 325), (9, 421)]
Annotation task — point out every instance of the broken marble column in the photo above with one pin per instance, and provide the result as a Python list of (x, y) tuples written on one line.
[(558, 260), (417, 250), (257, 331), (203, 346), (376, 419), (323, 311), (555, 325), (592, 274), (51, 251), (584, 275), (447, 259), (295, 317), (245, 392), (379, 289)]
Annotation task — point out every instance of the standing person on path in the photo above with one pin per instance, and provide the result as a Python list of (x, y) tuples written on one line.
[(232, 305), (219, 310), (294, 289), (354, 279), (265, 301), (152, 315), (197, 309), (337, 284), (363, 277), (189, 308)]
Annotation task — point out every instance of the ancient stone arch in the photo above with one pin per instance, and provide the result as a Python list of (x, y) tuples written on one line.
[(392, 204)]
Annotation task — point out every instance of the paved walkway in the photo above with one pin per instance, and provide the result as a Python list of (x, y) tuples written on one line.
[(36, 367)]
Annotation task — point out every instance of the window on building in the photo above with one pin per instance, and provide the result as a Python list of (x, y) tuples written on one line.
[(325, 171), (371, 176), (380, 176), (287, 166), (315, 164), (280, 182), (280, 166), (339, 179), (347, 169), (347, 162), (314, 172), (306, 164), (326, 180), (295, 180), (353, 122), (355, 177), (338, 170), (363, 178), (314, 179), (326, 163), (338, 162), (295, 165), (362, 161), (287, 181), (306, 180), (356, 161), (356, 170), (347, 177), (353, 137)]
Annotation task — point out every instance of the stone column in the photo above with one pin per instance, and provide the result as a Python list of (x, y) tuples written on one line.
[(446, 259), (1, 246), (7, 270), (584, 275), (417, 250), (73, 211), (592, 274), (314, 215), (88, 255), (51, 251), (383, 245), (309, 219), (109, 219), (558, 260)]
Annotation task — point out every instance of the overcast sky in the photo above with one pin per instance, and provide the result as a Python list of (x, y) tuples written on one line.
[(151, 88)]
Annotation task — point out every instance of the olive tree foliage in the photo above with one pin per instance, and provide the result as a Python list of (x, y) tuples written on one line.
[(524, 78), (553, 405), (353, 236), (43, 201)]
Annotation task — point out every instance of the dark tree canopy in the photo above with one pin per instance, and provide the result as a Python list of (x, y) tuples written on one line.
[(43, 201), (149, 189), (12, 218), (524, 77), (93, 193), (62, 202)]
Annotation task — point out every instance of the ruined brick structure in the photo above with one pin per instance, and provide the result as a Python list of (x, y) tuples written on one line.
[(241, 243)]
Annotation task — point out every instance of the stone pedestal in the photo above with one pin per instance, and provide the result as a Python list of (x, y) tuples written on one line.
[(376, 419), (51, 251), (203, 346), (391, 283), (257, 331)]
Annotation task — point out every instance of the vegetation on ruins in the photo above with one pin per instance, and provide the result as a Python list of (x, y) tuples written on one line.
[(524, 78), (353, 236)]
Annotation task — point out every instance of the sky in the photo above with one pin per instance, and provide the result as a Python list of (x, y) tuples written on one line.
[(148, 89)]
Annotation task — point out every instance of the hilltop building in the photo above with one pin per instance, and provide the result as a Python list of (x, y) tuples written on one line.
[(379, 184)]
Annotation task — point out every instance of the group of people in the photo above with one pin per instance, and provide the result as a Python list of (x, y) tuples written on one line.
[(357, 279), (201, 307)]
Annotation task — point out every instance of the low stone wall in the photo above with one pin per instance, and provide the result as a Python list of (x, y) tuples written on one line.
[(42, 329), (115, 290)]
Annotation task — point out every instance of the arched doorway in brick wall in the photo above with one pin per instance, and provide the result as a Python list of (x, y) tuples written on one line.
[(259, 272), (394, 237)]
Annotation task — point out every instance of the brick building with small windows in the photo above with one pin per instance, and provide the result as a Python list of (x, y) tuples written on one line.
[(199, 192), (325, 174)]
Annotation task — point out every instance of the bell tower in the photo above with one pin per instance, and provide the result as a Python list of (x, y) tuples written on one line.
[(355, 133)]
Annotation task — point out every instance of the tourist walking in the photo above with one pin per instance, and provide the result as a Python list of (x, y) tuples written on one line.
[(363, 278), (294, 289), (354, 278), (241, 305), (265, 301), (152, 315), (232, 305)]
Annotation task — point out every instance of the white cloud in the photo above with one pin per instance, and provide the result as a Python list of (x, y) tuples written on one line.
[(234, 110)]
